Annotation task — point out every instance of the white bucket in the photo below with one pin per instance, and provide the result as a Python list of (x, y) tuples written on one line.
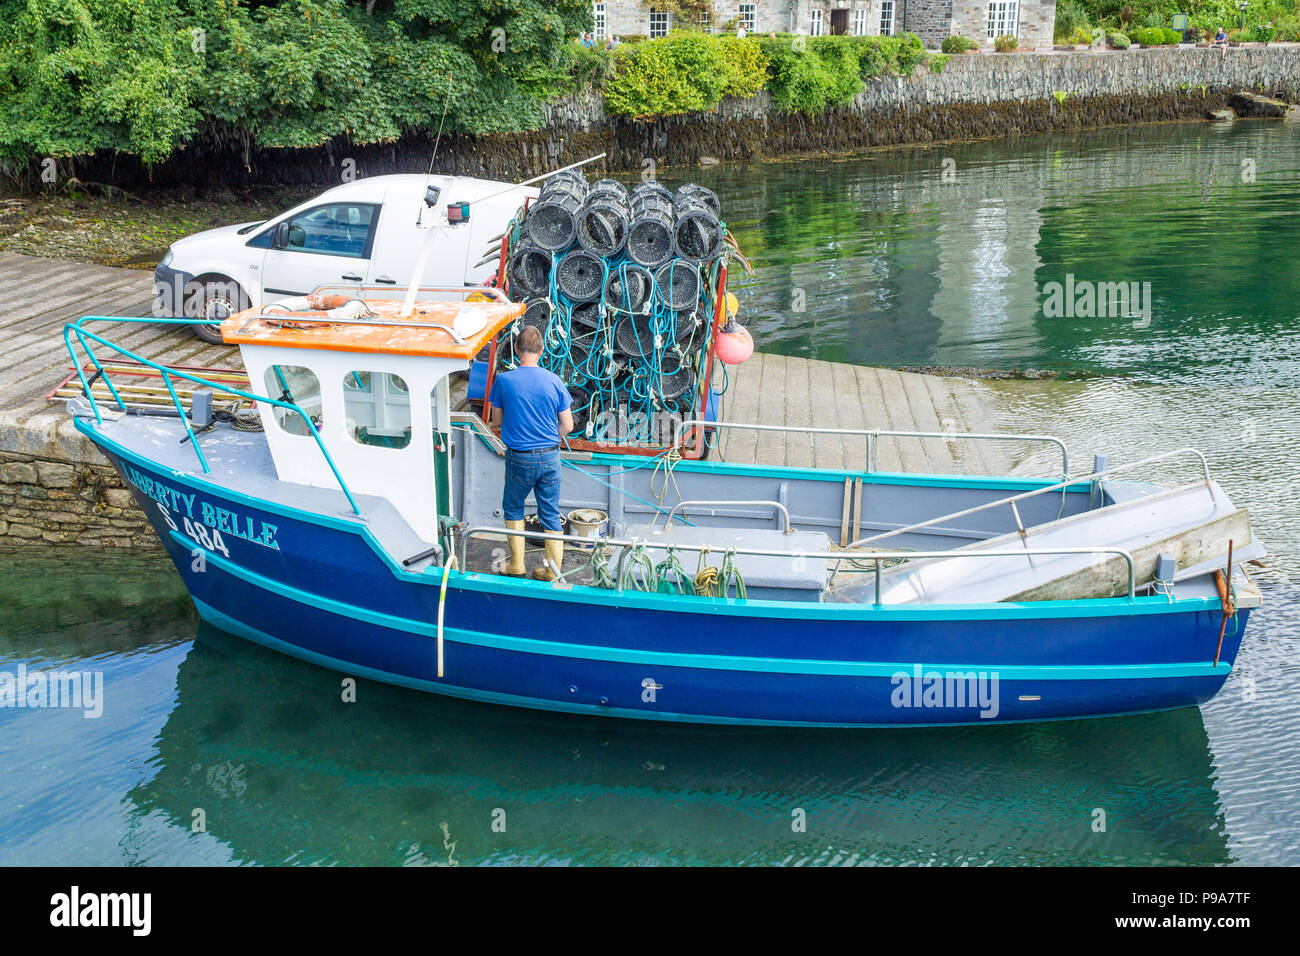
[(588, 523)]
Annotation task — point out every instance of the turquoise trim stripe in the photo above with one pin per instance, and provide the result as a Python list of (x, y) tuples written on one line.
[(661, 659), (238, 628), (581, 594)]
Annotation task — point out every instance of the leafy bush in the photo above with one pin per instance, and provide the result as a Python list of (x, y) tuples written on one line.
[(1081, 37), (144, 77), (1154, 20), (683, 72), (1071, 16), (1118, 41), (1005, 43), (828, 71), (960, 44), (1263, 33), (745, 66), (1156, 36)]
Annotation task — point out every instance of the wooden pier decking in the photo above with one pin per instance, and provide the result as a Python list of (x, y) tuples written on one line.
[(38, 296)]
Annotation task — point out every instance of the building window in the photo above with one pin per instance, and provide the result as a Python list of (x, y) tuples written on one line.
[(598, 14), (658, 24), (816, 23), (860, 22), (748, 19), (886, 18), (1004, 19)]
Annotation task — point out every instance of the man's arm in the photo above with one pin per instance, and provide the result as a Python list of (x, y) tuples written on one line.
[(566, 422)]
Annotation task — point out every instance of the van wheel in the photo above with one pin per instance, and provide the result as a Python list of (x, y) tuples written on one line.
[(217, 299)]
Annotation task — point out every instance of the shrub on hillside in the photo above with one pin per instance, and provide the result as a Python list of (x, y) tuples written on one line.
[(1118, 41)]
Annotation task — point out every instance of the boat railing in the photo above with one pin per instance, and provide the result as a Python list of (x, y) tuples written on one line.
[(873, 436), (1013, 500), (85, 336), (877, 557), (704, 502), (386, 293)]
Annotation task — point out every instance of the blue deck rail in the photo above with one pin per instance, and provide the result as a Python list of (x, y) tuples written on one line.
[(85, 336)]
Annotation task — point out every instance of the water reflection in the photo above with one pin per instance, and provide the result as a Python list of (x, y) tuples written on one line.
[(286, 771), (904, 258)]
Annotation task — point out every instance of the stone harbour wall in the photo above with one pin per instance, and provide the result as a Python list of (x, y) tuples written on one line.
[(57, 488), (974, 96)]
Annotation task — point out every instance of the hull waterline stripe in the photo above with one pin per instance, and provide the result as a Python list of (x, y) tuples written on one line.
[(240, 629), (819, 668)]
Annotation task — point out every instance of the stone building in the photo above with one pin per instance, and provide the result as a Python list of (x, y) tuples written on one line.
[(1031, 21)]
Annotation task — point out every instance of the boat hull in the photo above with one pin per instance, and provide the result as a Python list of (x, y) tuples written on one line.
[(321, 589)]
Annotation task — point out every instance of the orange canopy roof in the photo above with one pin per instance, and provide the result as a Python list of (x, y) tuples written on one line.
[(387, 331)]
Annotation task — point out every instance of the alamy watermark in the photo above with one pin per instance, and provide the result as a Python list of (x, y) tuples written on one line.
[(1083, 299), (39, 690), (947, 690)]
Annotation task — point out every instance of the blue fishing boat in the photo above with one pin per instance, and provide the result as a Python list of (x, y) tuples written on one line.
[(345, 513)]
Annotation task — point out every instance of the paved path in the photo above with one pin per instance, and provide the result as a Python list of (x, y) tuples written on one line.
[(38, 296)]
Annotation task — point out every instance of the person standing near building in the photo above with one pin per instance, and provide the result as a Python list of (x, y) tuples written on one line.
[(531, 405)]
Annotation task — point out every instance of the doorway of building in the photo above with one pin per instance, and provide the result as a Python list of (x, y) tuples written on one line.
[(839, 22)]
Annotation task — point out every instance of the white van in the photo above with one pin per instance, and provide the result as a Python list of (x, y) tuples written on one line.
[(369, 231)]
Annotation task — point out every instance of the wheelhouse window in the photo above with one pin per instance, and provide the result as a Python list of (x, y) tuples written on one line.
[(377, 409), (1004, 19), (295, 385), (816, 23), (886, 18), (598, 15), (860, 22), (748, 17), (339, 229), (658, 24)]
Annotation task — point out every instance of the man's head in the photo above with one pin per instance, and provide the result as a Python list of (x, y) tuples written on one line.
[(528, 343)]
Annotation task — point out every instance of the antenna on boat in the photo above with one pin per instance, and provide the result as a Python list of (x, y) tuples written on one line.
[(432, 200), (408, 303)]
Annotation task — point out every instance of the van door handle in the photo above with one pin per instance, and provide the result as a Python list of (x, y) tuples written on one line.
[(352, 277), (386, 281)]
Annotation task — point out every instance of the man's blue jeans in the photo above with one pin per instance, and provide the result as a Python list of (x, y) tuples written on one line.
[(537, 472)]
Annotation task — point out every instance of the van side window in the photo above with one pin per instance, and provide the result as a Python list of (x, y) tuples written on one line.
[(378, 409), (339, 229), (293, 383)]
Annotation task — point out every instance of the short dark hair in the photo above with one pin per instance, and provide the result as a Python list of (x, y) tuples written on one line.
[(529, 341)]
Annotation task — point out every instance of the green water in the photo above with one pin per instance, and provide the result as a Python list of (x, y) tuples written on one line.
[(897, 267)]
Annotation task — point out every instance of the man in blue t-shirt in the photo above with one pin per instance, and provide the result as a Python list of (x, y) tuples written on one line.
[(531, 405)]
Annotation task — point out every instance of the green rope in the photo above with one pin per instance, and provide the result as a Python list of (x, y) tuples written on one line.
[(729, 574), (672, 577), (638, 559)]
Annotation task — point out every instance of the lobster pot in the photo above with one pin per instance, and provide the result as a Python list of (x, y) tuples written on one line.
[(571, 177), (675, 384), (649, 189), (585, 315), (677, 283), (552, 221), (529, 272), (694, 192), (580, 275), (538, 315), (602, 223), (580, 408), (628, 288), (697, 232), (650, 235), (634, 336), (689, 330), (609, 188)]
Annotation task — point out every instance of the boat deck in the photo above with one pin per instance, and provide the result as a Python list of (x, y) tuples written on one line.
[(41, 295)]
